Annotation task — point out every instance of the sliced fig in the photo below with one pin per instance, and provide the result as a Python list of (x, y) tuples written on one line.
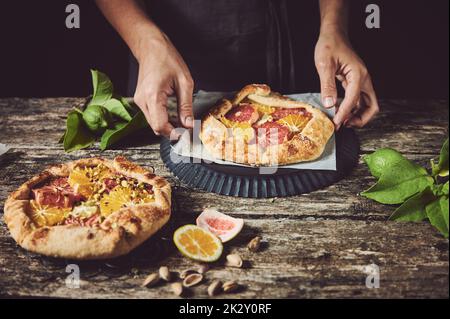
[(223, 226)]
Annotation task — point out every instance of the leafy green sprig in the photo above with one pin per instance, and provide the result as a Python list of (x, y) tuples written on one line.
[(108, 117), (421, 195)]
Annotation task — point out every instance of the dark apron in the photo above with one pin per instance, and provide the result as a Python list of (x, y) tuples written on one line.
[(227, 43)]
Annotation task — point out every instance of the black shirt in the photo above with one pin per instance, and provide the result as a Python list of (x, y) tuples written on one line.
[(229, 43)]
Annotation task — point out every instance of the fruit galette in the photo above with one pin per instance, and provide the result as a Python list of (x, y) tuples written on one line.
[(88, 209), (260, 127)]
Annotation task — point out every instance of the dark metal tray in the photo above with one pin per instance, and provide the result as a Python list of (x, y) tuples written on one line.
[(247, 182)]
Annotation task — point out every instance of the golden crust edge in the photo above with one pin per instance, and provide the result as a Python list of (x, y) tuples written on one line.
[(318, 131), (53, 241)]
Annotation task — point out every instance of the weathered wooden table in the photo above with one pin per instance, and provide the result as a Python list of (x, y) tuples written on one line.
[(315, 245)]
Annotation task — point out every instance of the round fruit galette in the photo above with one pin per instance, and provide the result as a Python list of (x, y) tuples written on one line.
[(88, 209), (260, 127)]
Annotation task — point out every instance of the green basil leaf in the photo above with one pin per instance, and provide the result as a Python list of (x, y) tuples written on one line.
[(381, 159), (77, 135), (116, 108), (399, 182), (97, 118), (441, 168), (103, 88), (437, 213), (122, 130), (413, 209)]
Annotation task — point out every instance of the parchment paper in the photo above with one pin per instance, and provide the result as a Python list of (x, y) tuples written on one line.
[(205, 100)]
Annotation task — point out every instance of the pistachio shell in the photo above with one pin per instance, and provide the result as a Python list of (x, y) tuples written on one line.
[(177, 288), (192, 280), (164, 273), (151, 280), (230, 286), (215, 288), (187, 272), (234, 260), (254, 244)]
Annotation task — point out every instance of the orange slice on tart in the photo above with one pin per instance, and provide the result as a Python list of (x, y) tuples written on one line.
[(295, 122), (43, 215)]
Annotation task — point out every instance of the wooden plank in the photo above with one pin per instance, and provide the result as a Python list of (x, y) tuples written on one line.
[(303, 259), (339, 201), (408, 126), (316, 245)]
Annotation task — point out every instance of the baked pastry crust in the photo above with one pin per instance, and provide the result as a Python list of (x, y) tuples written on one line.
[(117, 235), (223, 143)]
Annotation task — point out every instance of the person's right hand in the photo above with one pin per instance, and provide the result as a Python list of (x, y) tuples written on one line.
[(162, 73)]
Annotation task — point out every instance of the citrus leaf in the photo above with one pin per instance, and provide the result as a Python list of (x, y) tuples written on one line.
[(128, 103), (122, 130), (444, 206), (96, 118), (103, 88), (77, 135), (441, 168), (111, 136), (440, 189), (413, 209), (116, 108), (381, 159), (445, 189), (437, 213), (398, 182)]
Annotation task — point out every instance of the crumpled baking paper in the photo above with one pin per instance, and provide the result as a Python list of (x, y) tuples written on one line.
[(205, 100)]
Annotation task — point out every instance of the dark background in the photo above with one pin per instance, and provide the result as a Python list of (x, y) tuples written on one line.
[(39, 57)]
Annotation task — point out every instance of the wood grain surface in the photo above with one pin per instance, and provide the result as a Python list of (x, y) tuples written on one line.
[(314, 246)]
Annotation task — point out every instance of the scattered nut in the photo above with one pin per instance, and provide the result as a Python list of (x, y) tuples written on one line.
[(192, 280), (234, 260), (254, 244), (164, 273), (177, 288), (186, 273), (215, 288), (151, 280), (202, 269), (230, 286)]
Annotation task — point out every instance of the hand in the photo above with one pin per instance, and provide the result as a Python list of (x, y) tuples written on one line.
[(335, 58), (162, 72)]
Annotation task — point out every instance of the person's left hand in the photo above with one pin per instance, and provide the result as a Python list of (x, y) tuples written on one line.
[(335, 58)]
